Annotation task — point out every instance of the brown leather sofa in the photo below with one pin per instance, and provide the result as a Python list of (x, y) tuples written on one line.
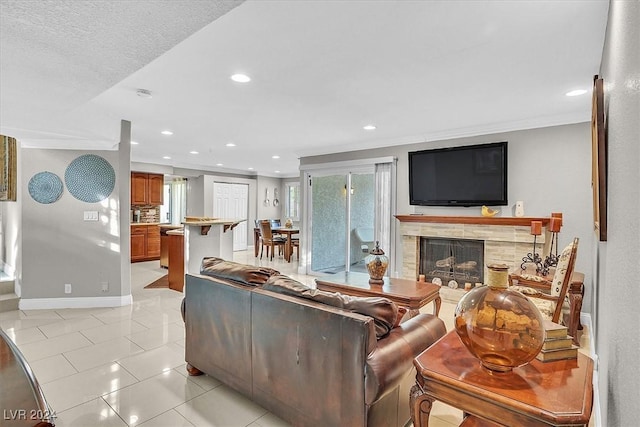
[(309, 363)]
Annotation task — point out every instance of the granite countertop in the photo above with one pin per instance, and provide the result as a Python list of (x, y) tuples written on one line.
[(210, 221), (149, 223)]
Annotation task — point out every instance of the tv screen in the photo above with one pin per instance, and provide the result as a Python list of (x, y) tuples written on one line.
[(472, 175)]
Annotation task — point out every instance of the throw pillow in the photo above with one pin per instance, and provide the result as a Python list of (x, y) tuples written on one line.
[(236, 272), (383, 311)]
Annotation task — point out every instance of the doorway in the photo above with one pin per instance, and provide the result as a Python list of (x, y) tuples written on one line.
[(232, 201)]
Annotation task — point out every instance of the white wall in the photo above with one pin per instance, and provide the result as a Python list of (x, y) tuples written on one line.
[(59, 247), (549, 169), (618, 325), (123, 182), (269, 211)]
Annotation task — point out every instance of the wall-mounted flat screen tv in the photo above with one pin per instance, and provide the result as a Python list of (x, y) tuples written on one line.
[(471, 175)]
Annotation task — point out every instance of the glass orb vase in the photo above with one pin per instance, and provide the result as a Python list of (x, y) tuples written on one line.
[(376, 263), (499, 326)]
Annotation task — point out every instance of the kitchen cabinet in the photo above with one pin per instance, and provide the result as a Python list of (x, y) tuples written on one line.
[(139, 188), (156, 189), (138, 242), (147, 188), (153, 241), (145, 242)]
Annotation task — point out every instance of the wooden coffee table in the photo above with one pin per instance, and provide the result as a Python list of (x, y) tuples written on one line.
[(556, 393), (407, 293)]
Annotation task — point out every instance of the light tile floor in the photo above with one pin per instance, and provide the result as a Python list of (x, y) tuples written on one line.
[(125, 366)]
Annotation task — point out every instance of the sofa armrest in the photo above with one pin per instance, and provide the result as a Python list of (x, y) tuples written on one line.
[(392, 359)]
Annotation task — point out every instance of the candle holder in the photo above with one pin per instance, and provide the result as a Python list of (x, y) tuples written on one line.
[(552, 259), (534, 258), (555, 224)]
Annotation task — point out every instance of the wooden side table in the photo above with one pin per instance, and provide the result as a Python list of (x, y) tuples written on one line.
[(407, 293), (556, 393)]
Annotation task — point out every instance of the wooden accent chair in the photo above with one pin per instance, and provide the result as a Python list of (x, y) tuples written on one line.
[(269, 240), (551, 297)]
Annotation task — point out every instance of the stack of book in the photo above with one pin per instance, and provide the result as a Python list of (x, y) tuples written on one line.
[(558, 345)]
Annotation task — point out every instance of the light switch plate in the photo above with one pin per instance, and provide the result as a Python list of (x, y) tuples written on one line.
[(91, 215)]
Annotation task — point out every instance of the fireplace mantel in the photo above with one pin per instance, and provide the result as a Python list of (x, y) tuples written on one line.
[(513, 221)]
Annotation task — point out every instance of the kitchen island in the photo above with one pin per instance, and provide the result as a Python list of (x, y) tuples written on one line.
[(164, 242), (207, 237)]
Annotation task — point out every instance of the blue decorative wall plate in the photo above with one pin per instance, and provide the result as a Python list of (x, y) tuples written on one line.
[(90, 178), (45, 187)]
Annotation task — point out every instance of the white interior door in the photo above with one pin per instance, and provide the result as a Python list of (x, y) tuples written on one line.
[(232, 201)]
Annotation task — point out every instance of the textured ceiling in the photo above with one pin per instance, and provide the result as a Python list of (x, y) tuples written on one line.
[(57, 55), (418, 70)]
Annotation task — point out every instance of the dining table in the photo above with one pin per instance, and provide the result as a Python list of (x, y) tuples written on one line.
[(289, 232)]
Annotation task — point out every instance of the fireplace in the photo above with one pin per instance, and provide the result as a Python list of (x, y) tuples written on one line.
[(452, 262), (505, 241)]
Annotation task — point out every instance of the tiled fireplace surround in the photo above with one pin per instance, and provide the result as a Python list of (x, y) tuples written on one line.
[(506, 239)]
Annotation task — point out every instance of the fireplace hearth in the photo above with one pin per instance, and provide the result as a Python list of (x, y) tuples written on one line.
[(452, 262)]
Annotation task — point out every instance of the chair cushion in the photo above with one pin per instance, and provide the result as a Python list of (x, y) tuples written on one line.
[(561, 270), (546, 307), (383, 311), (239, 273)]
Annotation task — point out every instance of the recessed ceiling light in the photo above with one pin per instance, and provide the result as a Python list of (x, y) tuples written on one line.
[(369, 127), (166, 157), (241, 78), (576, 92), (144, 93), (230, 144), (275, 157), (219, 164), (250, 169), (134, 142), (166, 132), (193, 152), (277, 171)]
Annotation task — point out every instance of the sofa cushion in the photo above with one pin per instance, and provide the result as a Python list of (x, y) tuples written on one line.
[(383, 311), (238, 273)]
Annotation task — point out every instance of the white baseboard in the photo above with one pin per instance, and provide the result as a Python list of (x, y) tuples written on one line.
[(78, 302)]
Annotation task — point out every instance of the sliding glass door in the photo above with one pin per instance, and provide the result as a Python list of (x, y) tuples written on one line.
[(361, 219), (348, 206), (342, 220), (328, 237)]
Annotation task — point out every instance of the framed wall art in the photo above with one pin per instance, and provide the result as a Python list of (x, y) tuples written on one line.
[(599, 159), (8, 168)]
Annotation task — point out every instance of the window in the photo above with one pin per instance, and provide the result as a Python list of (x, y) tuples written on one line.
[(292, 201)]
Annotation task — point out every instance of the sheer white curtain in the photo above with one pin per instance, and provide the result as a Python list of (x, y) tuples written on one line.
[(385, 207)]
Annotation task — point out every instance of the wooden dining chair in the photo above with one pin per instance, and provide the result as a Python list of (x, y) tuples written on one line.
[(269, 240), (275, 223), (295, 242)]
